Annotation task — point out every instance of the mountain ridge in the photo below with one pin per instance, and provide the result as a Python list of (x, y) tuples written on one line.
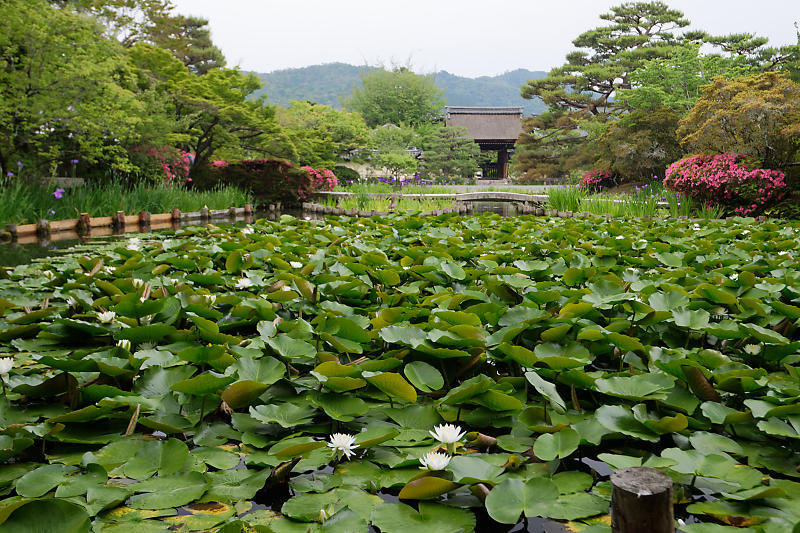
[(331, 83)]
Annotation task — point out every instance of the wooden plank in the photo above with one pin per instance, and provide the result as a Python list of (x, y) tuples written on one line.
[(100, 222), (64, 225)]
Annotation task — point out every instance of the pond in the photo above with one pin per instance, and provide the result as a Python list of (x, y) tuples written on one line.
[(15, 253), (298, 375)]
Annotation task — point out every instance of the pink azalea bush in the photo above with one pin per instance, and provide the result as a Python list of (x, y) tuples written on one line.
[(173, 163), (727, 180), (598, 179), (321, 179)]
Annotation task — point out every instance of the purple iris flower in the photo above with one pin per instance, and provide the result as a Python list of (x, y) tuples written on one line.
[(58, 193)]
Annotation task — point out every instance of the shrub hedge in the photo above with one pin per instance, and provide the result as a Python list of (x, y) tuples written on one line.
[(728, 180)]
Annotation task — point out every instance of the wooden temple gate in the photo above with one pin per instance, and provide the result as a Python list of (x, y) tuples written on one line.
[(493, 129)]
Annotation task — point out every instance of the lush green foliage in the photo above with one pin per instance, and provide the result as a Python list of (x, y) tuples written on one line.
[(64, 92), (104, 82), (345, 174), (558, 345), (322, 135), (397, 97), (758, 116), (617, 101), (638, 146), (448, 154), (270, 180)]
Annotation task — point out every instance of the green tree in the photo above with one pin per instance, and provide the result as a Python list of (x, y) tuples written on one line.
[(189, 39), (449, 153), (397, 163), (549, 146), (675, 82), (65, 91), (640, 145), (398, 97), (584, 88), (758, 116), (155, 22), (127, 21), (212, 112), (322, 135)]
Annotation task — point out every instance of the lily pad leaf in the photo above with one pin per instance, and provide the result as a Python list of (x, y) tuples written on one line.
[(164, 492), (48, 515), (285, 414), (513, 497), (431, 518), (423, 376), (392, 384), (640, 387), (426, 488), (557, 445), (548, 390)]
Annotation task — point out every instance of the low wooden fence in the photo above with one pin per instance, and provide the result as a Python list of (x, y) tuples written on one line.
[(117, 223)]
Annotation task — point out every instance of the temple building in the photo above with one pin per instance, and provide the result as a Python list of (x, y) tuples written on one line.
[(493, 129)]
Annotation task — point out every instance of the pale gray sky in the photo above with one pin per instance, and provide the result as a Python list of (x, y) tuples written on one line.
[(465, 37)]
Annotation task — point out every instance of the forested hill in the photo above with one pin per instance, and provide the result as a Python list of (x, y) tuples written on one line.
[(330, 83)]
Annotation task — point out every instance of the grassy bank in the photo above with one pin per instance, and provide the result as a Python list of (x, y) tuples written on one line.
[(24, 204)]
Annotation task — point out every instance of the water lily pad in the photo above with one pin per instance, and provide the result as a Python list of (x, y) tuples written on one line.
[(431, 518)]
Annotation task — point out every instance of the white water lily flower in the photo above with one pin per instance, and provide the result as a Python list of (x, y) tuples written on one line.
[(244, 283), (124, 344), (449, 435), (6, 364), (211, 299), (735, 276), (619, 237), (435, 461), (247, 230), (752, 349), (137, 283), (106, 317), (134, 244), (146, 346), (326, 513), (48, 274), (71, 301), (342, 444), (296, 264)]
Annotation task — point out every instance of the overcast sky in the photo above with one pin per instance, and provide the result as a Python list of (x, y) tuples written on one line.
[(465, 37)]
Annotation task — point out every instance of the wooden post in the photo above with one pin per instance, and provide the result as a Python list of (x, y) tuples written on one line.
[(84, 223), (232, 213), (641, 500), (12, 230), (204, 213), (144, 219), (119, 220), (43, 228), (248, 209)]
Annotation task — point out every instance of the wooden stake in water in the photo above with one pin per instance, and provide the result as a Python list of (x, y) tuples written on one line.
[(641, 500)]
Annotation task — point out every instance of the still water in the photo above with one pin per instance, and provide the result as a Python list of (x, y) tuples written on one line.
[(18, 253)]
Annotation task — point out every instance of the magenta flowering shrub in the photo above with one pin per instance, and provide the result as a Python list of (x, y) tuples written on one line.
[(322, 179), (172, 164), (598, 179), (727, 180)]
